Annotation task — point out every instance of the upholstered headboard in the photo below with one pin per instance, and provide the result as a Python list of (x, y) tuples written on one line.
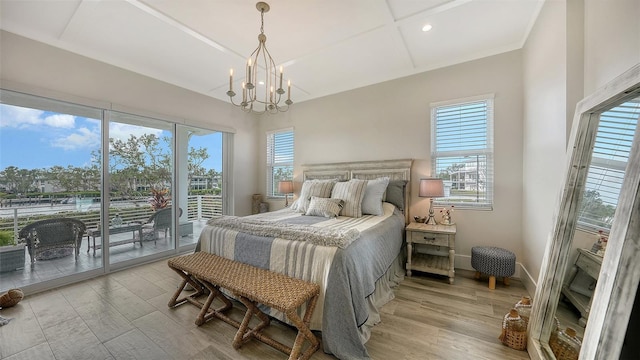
[(365, 170)]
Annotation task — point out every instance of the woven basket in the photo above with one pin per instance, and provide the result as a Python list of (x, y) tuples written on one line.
[(514, 331), (565, 345)]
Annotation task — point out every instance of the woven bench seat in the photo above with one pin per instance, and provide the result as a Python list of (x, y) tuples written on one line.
[(251, 286)]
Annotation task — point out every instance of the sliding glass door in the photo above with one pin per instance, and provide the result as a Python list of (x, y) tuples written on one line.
[(199, 170), (140, 221), (50, 183), (117, 189)]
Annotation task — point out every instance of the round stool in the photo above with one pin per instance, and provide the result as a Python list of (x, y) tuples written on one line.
[(493, 261)]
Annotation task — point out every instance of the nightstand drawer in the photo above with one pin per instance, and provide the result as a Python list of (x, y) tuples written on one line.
[(429, 238)]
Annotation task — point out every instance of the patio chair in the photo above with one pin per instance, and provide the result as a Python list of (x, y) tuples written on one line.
[(51, 238), (159, 221)]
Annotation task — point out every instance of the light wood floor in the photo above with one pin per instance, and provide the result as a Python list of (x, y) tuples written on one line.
[(125, 316)]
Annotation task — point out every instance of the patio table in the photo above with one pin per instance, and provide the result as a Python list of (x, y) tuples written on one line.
[(96, 233)]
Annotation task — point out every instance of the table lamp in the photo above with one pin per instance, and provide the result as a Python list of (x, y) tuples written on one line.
[(431, 188), (285, 187)]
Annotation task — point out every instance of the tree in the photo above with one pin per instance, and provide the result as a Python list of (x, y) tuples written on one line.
[(282, 173), (196, 158), (139, 162), (18, 180), (595, 210)]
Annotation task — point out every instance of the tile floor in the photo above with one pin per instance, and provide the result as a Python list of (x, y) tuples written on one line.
[(124, 315), (56, 268)]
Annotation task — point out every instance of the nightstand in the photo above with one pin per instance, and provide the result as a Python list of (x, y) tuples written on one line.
[(441, 236)]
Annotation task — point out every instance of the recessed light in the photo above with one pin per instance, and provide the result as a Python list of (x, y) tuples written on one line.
[(427, 28)]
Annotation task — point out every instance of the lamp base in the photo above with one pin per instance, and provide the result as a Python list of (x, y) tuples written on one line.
[(431, 220)]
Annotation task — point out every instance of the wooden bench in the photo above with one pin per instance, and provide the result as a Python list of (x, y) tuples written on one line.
[(250, 285)]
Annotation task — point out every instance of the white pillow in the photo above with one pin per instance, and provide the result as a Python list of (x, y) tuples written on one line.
[(294, 205), (352, 192), (372, 202), (319, 188), (326, 207)]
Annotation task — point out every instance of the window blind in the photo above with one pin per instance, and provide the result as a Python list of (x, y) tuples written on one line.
[(462, 151), (279, 159), (614, 139)]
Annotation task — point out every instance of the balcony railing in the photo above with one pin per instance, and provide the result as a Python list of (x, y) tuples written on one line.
[(12, 219)]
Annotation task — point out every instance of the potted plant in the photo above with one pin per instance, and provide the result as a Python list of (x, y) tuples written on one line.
[(12, 256)]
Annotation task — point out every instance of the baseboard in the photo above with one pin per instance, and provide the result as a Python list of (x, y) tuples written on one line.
[(464, 262)]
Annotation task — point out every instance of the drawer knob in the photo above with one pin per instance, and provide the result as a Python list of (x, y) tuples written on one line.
[(430, 238)]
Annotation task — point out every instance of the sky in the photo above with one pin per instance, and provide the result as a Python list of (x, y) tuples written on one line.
[(35, 139)]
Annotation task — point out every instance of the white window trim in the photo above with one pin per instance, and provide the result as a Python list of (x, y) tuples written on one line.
[(269, 166), (489, 153)]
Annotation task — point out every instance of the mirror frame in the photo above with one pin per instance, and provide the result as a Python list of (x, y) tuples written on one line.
[(617, 284)]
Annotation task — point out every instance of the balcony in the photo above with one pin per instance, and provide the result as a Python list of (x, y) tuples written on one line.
[(200, 208)]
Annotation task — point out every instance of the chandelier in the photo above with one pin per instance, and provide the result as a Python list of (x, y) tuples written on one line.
[(261, 70)]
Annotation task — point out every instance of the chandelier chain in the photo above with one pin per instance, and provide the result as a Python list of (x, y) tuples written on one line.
[(262, 21)]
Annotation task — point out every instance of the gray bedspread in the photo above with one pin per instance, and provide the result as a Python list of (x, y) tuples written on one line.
[(347, 281)]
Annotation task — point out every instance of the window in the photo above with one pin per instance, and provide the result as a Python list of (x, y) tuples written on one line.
[(279, 159), (462, 151), (608, 163), (54, 158)]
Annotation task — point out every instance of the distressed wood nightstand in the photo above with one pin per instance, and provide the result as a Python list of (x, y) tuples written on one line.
[(433, 235)]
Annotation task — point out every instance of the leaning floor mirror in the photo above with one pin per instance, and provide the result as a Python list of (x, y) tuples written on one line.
[(612, 301)]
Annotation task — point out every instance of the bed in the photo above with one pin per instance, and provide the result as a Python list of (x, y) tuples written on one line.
[(356, 257)]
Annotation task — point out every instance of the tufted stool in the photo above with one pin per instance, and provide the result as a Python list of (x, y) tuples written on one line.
[(493, 261)]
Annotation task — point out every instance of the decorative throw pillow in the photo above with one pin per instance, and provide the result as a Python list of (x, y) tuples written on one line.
[(352, 192), (319, 188), (395, 193), (326, 207), (372, 202)]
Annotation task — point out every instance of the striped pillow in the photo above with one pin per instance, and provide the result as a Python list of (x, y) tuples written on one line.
[(352, 192), (319, 188), (326, 207)]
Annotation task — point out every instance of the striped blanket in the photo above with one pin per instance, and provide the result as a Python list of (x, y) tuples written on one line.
[(346, 276)]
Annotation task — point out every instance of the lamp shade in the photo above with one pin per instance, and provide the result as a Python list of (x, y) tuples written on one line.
[(285, 187), (431, 187)]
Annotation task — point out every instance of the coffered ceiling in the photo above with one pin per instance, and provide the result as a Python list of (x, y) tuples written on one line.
[(326, 46)]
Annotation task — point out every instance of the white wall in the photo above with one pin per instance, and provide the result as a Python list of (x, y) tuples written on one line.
[(575, 47), (545, 118), (612, 40), (40, 69), (391, 120)]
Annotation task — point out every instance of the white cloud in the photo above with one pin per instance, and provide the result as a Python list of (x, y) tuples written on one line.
[(24, 118), (60, 121), (82, 138)]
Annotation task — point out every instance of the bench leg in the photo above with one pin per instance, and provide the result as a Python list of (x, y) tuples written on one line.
[(505, 281), (242, 336), (206, 313), (304, 332), (186, 279)]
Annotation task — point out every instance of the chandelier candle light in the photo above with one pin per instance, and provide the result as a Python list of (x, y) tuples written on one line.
[(431, 188), (261, 68)]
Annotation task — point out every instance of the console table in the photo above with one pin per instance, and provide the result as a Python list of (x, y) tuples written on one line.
[(96, 233)]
